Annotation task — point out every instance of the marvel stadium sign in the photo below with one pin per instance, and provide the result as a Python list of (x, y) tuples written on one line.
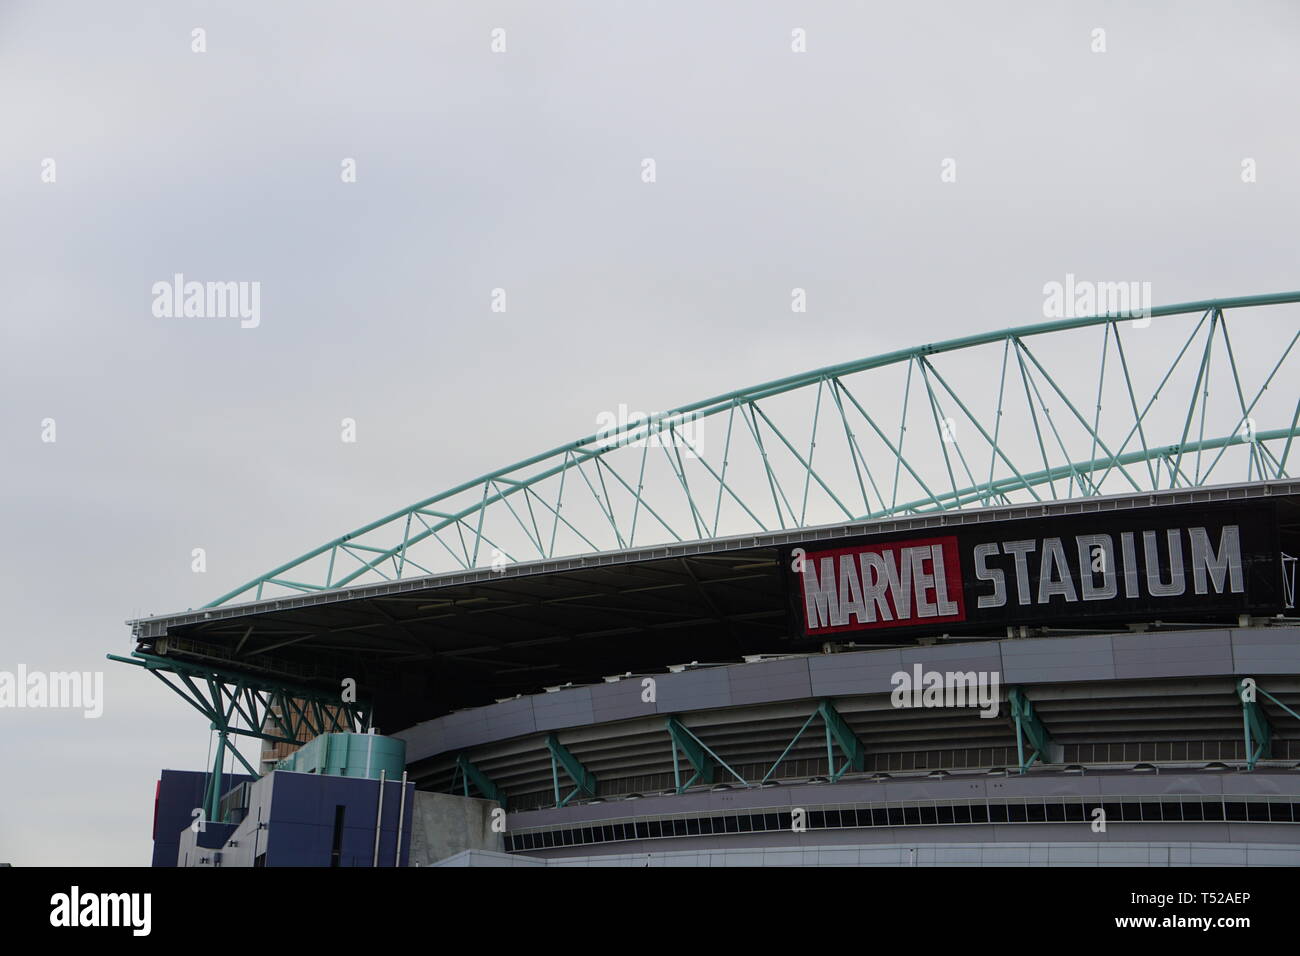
[(1142, 565)]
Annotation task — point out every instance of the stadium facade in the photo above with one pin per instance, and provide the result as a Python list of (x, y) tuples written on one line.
[(1091, 678)]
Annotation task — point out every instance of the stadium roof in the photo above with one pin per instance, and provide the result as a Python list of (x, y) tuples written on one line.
[(426, 646)]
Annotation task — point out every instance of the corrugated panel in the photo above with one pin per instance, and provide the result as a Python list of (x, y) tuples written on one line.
[(564, 709), (1177, 654), (694, 690), (868, 672), (1048, 659), (1265, 651), (770, 680)]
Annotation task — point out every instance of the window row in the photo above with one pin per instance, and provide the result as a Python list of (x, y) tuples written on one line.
[(1123, 810)]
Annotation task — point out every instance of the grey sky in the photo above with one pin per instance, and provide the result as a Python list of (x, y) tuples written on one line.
[(818, 170)]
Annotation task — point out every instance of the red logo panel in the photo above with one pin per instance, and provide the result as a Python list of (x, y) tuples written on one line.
[(893, 584)]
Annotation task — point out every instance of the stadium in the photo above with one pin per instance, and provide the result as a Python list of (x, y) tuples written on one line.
[(1008, 599)]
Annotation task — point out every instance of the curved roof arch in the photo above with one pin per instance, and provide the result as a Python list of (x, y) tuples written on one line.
[(1069, 408)]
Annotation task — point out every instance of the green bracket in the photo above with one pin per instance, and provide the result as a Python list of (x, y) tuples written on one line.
[(837, 732), (686, 742), (1255, 726), (1028, 725), (482, 782), (580, 775), (850, 745), (678, 729), (265, 705)]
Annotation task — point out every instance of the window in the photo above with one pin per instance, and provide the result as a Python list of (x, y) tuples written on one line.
[(1053, 810)]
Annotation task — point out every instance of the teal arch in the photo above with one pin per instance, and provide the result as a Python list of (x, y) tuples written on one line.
[(521, 495)]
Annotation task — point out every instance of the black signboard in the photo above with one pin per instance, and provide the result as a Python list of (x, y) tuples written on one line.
[(1192, 563)]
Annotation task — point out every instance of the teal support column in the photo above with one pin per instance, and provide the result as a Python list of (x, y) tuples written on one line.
[(850, 745), (580, 775), (684, 740), (1254, 722), (482, 782), (837, 732), (213, 808), (1028, 726)]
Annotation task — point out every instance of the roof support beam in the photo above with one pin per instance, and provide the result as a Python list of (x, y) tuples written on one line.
[(838, 728), (1256, 729), (482, 782), (837, 731), (685, 741), (1028, 725), (580, 775)]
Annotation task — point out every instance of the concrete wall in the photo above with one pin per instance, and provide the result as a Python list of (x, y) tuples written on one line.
[(444, 824)]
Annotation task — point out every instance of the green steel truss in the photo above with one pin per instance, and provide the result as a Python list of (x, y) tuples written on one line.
[(837, 732), (1061, 409), (1029, 727), (687, 743), (1256, 727), (584, 780), (1034, 745), (470, 774), (240, 704)]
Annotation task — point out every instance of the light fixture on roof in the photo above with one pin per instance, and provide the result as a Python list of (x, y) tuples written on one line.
[(557, 688), (615, 678), (678, 668)]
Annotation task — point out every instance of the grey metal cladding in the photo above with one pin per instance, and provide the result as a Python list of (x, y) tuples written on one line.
[(514, 718), (465, 728), (618, 700), (567, 708), (1265, 651), (770, 680), (701, 689), (1046, 785), (1156, 784), (984, 656), (866, 672), (1177, 654), (423, 740), (1048, 660)]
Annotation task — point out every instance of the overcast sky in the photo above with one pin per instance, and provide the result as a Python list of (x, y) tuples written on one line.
[(522, 170)]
